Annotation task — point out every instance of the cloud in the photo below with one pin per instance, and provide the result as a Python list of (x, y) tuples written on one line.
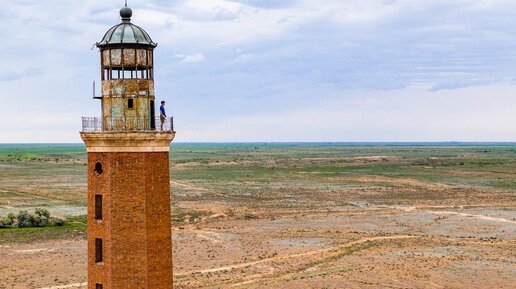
[(190, 58), (10, 75), (271, 63)]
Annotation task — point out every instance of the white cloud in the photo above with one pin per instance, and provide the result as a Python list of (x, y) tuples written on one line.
[(273, 65), (190, 58)]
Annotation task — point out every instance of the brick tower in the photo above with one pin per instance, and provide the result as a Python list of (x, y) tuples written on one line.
[(129, 227)]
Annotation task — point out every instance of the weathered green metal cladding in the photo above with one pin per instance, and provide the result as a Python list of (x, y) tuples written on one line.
[(126, 33)]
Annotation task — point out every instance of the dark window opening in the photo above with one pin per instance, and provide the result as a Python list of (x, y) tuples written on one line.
[(98, 169), (98, 286), (98, 250), (130, 103), (152, 115), (98, 207)]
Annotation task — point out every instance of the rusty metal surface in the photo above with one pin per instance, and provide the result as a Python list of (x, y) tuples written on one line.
[(127, 87), (127, 97), (127, 57), (116, 94), (127, 73), (116, 57), (141, 57), (106, 60)]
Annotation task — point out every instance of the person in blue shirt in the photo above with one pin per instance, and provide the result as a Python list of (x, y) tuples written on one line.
[(162, 113)]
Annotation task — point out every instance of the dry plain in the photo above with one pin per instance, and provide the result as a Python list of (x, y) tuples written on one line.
[(289, 215)]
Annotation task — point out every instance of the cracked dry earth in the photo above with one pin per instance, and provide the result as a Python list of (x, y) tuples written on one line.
[(343, 247)]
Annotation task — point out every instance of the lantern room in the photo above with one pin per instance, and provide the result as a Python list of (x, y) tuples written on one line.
[(127, 74)]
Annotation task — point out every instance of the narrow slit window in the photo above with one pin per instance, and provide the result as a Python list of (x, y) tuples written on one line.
[(98, 207), (98, 250), (98, 286), (130, 103)]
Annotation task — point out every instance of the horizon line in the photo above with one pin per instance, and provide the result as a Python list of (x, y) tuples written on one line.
[(288, 142)]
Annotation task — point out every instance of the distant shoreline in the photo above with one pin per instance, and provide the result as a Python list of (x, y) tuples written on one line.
[(344, 144)]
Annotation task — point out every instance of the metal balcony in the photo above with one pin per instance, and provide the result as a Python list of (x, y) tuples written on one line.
[(126, 124)]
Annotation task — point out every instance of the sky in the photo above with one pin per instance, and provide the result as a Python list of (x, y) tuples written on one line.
[(265, 71)]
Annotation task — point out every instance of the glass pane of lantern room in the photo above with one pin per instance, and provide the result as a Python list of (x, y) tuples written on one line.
[(117, 35), (129, 34), (139, 35)]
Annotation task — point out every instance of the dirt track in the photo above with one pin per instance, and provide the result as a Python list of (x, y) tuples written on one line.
[(383, 248)]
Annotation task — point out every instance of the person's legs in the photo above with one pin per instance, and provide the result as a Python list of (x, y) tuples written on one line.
[(162, 121)]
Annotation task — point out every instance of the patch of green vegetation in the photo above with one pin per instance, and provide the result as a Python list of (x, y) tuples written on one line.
[(42, 153), (25, 219), (278, 175), (75, 228)]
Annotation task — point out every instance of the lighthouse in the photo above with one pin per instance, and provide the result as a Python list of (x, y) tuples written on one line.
[(129, 214)]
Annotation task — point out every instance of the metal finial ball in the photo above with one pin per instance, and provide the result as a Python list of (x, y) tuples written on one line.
[(126, 12)]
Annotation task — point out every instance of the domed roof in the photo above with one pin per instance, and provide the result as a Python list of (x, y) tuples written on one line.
[(126, 33)]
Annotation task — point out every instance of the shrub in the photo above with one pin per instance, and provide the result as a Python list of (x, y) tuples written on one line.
[(42, 212), (8, 221), (39, 221), (12, 217), (58, 221), (4, 222), (24, 219), (40, 218)]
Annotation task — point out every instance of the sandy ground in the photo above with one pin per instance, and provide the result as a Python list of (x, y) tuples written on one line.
[(355, 247), (304, 228)]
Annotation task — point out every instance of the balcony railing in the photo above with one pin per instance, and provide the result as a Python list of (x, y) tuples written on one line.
[(98, 124)]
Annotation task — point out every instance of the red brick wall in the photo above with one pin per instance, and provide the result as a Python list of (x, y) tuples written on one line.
[(136, 225)]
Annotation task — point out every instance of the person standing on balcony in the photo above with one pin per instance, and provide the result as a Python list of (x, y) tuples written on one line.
[(162, 114)]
